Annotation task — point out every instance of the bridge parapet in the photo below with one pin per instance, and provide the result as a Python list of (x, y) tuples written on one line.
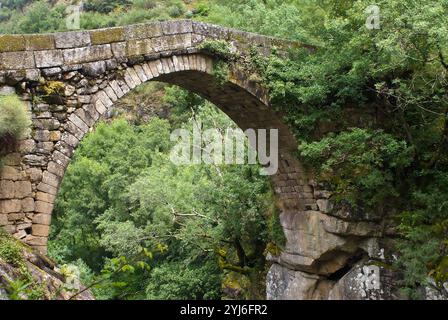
[(25, 57)]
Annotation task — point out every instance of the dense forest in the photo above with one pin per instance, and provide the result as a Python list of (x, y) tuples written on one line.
[(139, 227)]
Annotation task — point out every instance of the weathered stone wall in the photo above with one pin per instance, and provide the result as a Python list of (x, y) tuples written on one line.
[(71, 80)]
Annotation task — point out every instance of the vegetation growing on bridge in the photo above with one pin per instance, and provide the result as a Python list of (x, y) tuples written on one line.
[(14, 122)]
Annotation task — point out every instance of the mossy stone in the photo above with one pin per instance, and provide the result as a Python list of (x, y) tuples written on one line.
[(12, 43), (39, 42), (104, 36)]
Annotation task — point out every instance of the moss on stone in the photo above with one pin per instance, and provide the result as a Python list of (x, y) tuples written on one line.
[(11, 250), (53, 87), (39, 42), (107, 35), (12, 43)]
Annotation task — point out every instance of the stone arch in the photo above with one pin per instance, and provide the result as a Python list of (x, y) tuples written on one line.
[(85, 104), (91, 70)]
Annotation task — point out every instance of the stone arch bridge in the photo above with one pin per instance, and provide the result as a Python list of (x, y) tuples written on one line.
[(93, 69)]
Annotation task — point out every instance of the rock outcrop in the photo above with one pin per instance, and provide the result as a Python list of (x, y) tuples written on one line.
[(26, 274)]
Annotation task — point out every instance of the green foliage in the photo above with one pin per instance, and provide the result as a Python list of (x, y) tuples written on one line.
[(14, 119), (122, 192), (14, 122), (110, 159), (11, 251), (103, 6), (171, 281), (222, 51), (38, 17), (359, 164), (202, 9), (23, 287), (217, 48)]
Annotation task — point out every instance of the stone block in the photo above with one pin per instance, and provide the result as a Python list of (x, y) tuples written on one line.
[(153, 66), (10, 173), (39, 41), (177, 27), (172, 42), (140, 73), (4, 219), (73, 39), (33, 240), (32, 74), (69, 90), (45, 147), (20, 234), (45, 188), (78, 122), (139, 47), (45, 197), (52, 72), (111, 93), (16, 216), (91, 111), (129, 81), (40, 230), (119, 49), (147, 71), (35, 174), (55, 135), (74, 130), (109, 35), (24, 225), (48, 58), (44, 207), (134, 76), (28, 205), (94, 69), (56, 169), (22, 189), (7, 90), (12, 43), (41, 218), (50, 179), (216, 32), (167, 65), (87, 54), (143, 31), (17, 60), (47, 124), (106, 101), (42, 135), (114, 85)]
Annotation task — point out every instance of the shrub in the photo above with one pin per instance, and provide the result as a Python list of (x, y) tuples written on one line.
[(14, 120), (218, 48)]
